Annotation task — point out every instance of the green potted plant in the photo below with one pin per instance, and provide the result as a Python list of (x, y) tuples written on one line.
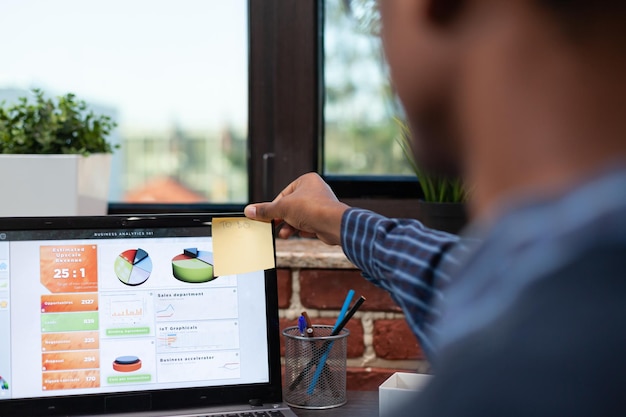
[(443, 205), (54, 157)]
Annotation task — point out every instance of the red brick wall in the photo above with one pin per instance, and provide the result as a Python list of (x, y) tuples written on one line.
[(380, 342)]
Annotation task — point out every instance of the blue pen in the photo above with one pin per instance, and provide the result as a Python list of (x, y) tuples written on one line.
[(301, 325), (322, 361), (344, 308)]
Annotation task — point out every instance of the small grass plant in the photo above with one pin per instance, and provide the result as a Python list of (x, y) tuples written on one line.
[(436, 188)]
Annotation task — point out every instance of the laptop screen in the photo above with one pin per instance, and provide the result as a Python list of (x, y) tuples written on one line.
[(105, 306)]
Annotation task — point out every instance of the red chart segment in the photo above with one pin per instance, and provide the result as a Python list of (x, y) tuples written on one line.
[(133, 266), (193, 266)]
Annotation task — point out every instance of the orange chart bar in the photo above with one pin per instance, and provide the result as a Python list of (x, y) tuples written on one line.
[(70, 341), (69, 268), (59, 303), (70, 360), (70, 380)]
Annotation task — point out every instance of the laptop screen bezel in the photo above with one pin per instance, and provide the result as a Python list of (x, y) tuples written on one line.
[(160, 399)]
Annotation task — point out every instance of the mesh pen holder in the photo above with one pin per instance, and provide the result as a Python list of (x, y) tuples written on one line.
[(315, 368)]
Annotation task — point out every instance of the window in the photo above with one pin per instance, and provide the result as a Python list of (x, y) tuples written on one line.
[(287, 99), (173, 74), (229, 96), (359, 105)]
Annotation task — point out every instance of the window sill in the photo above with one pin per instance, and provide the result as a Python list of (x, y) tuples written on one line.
[(310, 253)]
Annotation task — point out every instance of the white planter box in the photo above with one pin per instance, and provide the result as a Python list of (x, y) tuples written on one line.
[(54, 185)]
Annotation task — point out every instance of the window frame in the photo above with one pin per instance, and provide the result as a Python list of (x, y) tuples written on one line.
[(286, 117), (290, 35)]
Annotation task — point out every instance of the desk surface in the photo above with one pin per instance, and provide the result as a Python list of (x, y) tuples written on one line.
[(360, 403)]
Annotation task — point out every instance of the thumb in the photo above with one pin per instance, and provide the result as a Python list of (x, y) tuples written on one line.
[(261, 211)]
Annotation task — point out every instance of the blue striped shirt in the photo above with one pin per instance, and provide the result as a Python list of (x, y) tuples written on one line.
[(406, 259)]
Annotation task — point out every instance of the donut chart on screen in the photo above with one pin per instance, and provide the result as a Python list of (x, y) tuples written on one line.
[(133, 266), (193, 266)]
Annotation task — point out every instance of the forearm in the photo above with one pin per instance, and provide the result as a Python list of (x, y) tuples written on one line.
[(403, 257)]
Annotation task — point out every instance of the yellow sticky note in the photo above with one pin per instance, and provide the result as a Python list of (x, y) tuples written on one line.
[(241, 245)]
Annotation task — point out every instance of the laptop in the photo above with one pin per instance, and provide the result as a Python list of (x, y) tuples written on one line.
[(125, 316)]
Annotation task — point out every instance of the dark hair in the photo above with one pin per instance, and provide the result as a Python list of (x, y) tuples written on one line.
[(581, 18), (583, 7)]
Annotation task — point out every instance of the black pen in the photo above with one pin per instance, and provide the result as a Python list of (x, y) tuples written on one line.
[(348, 316)]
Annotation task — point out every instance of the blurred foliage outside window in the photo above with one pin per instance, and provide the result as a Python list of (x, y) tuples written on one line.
[(360, 131)]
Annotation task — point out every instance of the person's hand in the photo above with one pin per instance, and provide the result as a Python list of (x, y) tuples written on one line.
[(307, 207)]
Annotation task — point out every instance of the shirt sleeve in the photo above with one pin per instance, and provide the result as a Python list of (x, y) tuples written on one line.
[(405, 258)]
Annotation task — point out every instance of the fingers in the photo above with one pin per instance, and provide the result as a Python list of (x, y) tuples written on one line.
[(269, 211), (306, 207), (250, 211), (285, 231), (264, 212)]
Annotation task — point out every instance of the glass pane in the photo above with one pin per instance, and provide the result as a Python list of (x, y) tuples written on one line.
[(172, 73), (360, 130)]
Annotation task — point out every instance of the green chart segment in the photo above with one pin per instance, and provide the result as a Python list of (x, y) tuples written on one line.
[(133, 266), (69, 322), (193, 266)]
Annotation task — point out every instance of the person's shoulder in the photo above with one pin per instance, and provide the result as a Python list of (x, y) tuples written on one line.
[(600, 266), (557, 350)]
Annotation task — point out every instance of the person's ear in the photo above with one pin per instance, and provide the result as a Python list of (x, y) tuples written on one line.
[(443, 13)]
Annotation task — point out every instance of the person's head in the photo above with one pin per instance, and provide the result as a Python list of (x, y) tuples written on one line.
[(492, 82)]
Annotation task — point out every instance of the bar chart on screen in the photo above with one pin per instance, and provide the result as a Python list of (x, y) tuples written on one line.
[(128, 314)]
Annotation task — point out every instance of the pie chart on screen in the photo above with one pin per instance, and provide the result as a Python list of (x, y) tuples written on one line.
[(133, 266), (193, 266)]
